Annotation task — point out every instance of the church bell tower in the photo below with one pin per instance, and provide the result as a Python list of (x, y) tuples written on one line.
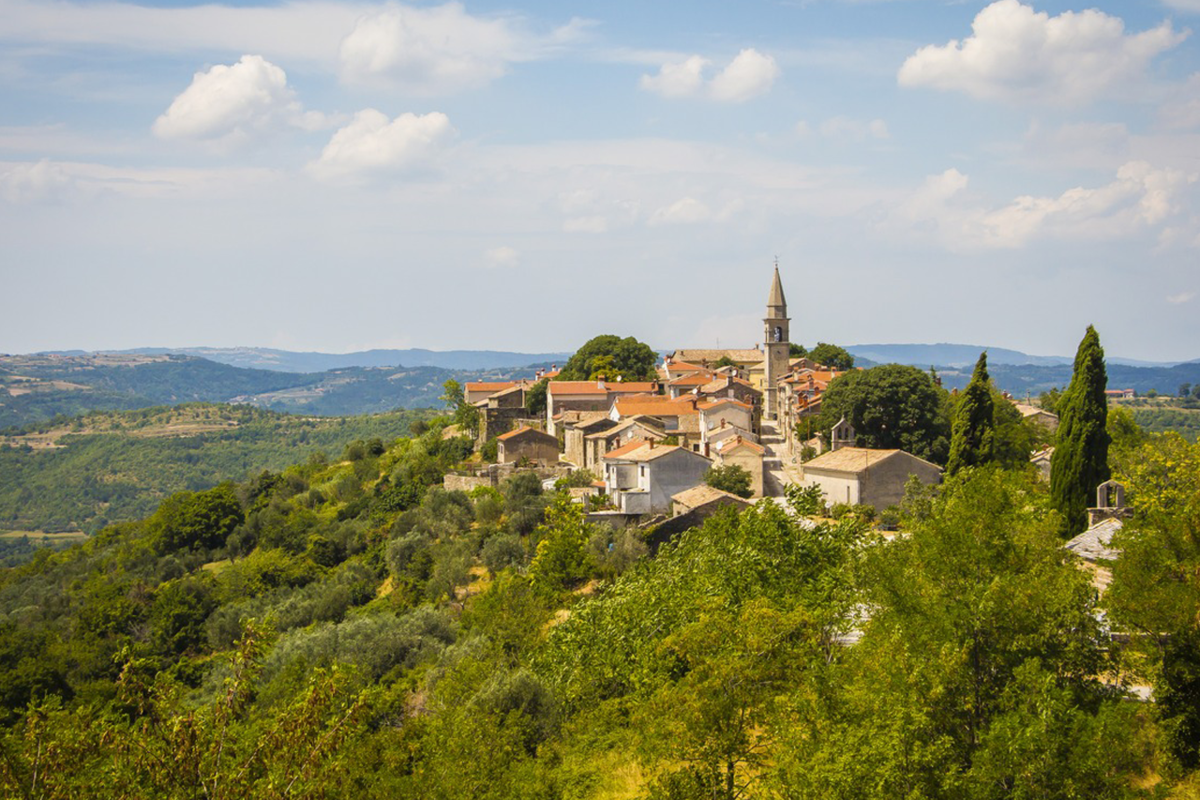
[(776, 350)]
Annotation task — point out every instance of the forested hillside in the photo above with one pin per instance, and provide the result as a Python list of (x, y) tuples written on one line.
[(34, 389), (86, 472), (347, 628)]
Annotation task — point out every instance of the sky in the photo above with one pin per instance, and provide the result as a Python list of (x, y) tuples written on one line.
[(336, 176)]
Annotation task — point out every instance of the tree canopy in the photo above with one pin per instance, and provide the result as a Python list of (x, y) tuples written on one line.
[(891, 406), (830, 355), (609, 357)]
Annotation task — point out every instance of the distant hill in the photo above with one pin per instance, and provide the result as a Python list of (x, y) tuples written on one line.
[(965, 355), (37, 388), (289, 361)]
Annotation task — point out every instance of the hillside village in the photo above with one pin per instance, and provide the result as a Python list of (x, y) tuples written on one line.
[(649, 444)]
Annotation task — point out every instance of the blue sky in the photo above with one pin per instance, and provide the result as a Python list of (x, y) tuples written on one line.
[(335, 176)]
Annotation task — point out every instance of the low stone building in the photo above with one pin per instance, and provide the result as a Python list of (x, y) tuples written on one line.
[(527, 444), (739, 452), (855, 475), (642, 476)]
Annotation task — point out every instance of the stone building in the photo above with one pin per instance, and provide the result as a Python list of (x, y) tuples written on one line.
[(855, 475)]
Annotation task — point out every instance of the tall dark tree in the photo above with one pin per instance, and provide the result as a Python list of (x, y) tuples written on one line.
[(974, 421), (1080, 461)]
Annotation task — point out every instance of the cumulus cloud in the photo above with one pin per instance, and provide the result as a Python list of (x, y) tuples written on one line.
[(1141, 197), (748, 75), (229, 105), (1019, 55), (439, 50), (682, 79), (374, 143), (501, 257)]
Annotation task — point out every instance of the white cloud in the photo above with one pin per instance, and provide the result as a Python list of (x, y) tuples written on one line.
[(847, 129), (1139, 199), (1182, 110), (502, 257), (45, 180), (686, 211), (39, 181), (681, 79), (373, 143), (748, 75), (1184, 5), (1017, 54), (229, 105), (442, 49), (1181, 298)]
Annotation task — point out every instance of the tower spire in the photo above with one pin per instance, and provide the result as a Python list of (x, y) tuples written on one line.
[(776, 302)]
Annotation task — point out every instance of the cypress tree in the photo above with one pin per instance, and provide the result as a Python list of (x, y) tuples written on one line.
[(1080, 461), (971, 434)]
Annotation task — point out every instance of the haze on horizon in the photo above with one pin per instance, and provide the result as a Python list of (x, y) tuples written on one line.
[(339, 176)]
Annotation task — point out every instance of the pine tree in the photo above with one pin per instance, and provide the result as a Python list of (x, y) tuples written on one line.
[(1080, 461), (971, 434)]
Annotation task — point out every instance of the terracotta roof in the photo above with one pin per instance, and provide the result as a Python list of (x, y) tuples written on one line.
[(523, 429), (655, 406), (486, 386), (625, 449), (658, 451), (705, 405), (575, 387), (632, 387), (854, 459), (693, 379), (682, 366), (738, 441), (651, 424)]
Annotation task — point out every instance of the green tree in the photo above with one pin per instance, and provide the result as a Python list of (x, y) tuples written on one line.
[(613, 356), (729, 478), (830, 355), (196, 520), (981, 651), (535, 398), (1080, 461), (1156, 582), (464, 414), (561, 560), (891, 406), (796, 350), (971, 433)]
